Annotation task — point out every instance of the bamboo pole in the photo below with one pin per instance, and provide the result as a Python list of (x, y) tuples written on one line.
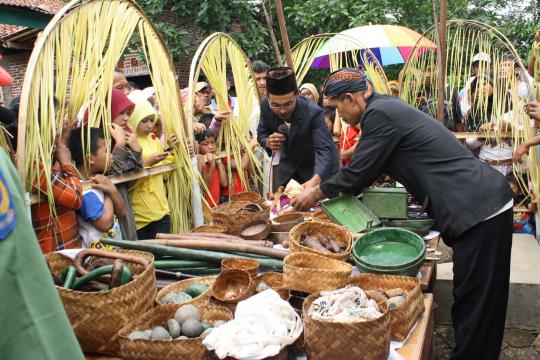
[(442, 62), (284, 36), (270, 25)]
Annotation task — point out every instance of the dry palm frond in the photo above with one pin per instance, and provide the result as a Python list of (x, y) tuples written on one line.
[(304, 53), (465, 39), (74, 60), (218, 52)]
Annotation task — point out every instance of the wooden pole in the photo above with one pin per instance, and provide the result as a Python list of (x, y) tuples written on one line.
[(270, 25), (284, 36), (442, 61)]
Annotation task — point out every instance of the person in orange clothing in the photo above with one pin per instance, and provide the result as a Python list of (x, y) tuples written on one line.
[(347, 143), (59, 231), (211, 169)]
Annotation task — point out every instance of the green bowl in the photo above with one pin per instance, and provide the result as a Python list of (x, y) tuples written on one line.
[(389, 249), (410, 270)]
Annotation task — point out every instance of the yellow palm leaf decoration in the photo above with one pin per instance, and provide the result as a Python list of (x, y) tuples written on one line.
[(215, 55), (465, 39), (74, 59)]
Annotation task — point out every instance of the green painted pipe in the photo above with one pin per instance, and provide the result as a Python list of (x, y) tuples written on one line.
[(70, 277), (104, 270), (178, 264), (190, 254)]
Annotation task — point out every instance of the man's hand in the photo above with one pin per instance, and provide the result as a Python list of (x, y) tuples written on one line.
[(307, 199), (521, 151), (198, 128), (118, 134), (275, 141), (533, 109), (314, 181), (155, 158), (103, 183)]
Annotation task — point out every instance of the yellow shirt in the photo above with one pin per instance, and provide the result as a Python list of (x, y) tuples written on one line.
[(148, 195)]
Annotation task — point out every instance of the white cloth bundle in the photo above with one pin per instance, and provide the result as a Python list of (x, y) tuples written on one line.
[(344, 305), (263, 325)]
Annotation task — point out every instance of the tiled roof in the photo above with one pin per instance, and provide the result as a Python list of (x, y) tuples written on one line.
[(44, 6), (9, 29)]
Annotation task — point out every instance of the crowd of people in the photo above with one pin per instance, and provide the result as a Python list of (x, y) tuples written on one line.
[(139, 209)]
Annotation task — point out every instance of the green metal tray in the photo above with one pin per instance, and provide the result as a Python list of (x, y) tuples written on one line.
[(350, 212)]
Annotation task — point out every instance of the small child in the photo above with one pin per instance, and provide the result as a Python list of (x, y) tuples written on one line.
[(329, 114), (211, 169), (246, 167), (523, 220), (347, 143), (148, 195), (102, 203)]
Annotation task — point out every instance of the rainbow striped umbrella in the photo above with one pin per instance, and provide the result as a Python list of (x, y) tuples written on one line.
[(391, 44)]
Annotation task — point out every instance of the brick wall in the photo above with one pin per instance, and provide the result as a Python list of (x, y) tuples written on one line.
[(16, 63)]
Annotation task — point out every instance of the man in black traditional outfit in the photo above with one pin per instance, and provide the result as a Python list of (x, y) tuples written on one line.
[(305, 148), (470, 202)]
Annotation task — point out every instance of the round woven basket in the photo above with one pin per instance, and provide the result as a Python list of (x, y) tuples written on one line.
[(175, 349), (181, 285), (366, 340), (281, 356), (96, 317), (237, 281), (310, 273), (405, 316), (250, 196), (319, 215), (227, 215), (207, 228), (340, 234), (274, 280), (251, 266)]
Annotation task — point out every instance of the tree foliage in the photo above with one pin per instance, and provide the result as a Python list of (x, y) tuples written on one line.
[(517, 19)]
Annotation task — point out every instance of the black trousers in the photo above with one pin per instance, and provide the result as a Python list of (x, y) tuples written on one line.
[(149, 231), (481, 282)]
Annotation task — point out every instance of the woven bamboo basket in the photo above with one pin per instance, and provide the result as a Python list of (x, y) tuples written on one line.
[(181, 285), (273, 280), (366, 340), (207, 228), (310, 273), (227, 215), (281, 356), (250, 196), (341, 235), (251, 266), (233, 281), (405, 316), (96, 317), (319, 215), (191, 349)]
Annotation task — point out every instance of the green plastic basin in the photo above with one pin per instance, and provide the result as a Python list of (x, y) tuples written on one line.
[(389, 249), (410, 270)]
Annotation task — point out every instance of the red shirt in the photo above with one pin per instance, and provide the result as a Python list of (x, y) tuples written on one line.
[(347, 140), (214, 189), (237, 182)]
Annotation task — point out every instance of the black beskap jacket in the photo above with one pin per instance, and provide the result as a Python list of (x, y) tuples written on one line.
[(308, 149), (428, 160)]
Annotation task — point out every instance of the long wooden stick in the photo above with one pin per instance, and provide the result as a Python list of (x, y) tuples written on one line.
[(270, 25), (284, 36), (442, 62), (220, 246), (188, 240)]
